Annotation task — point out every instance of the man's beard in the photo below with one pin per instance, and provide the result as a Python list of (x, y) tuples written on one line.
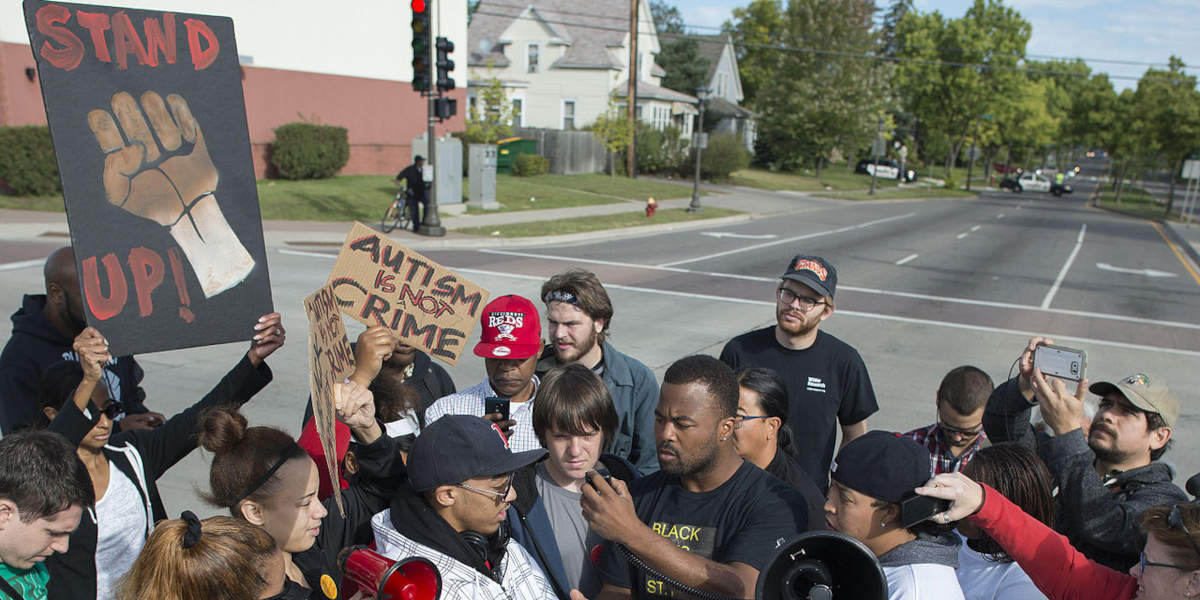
[(795, 329), (1109, 452), (575, 352), (686, 466)]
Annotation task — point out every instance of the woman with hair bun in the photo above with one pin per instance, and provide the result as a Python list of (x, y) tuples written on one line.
[(190, 559), (265, 478)]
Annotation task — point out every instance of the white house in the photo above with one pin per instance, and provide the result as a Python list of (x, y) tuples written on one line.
[(723, 106), (560, 60)]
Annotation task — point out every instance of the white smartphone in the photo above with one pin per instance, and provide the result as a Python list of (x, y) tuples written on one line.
[(1060, 361)]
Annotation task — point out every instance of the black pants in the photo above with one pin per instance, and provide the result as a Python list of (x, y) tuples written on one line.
[(414, 211)]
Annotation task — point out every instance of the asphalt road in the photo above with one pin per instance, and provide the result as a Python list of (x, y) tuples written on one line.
[(924, 286)]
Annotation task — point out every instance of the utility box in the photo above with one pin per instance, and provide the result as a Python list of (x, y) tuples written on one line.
[(447, 170), (481, 174)]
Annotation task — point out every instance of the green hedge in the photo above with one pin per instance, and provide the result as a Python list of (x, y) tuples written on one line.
[(27, 160), (308, 151), (724, 155), (528, 165)]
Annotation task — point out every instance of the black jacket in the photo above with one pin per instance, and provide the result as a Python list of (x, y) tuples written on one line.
[(431, 380), (381, 473), (1101, 516), (35, 344), (143, 456)]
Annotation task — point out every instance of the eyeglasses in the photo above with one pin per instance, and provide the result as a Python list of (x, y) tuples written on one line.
[(744, 418), (500, 496), (1175, 520), (112, 411), (972, 432), (1149, 563), (787, 297)]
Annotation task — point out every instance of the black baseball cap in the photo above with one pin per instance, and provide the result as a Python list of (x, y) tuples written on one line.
[(456, 448), (883, 465), (814, 272)]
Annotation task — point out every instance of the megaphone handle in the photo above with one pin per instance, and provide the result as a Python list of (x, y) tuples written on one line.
[(651, 571)]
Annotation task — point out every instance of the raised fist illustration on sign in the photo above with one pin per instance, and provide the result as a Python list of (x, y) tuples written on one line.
[(162, 171)]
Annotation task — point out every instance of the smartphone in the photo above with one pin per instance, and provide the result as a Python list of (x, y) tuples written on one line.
[(603, 473), (495, 404), (1060, 361), (915, 508)]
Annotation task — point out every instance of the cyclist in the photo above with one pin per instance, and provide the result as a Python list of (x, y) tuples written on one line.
[(415, 182)]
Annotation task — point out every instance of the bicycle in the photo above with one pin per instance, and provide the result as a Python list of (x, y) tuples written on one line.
[(396, 215)]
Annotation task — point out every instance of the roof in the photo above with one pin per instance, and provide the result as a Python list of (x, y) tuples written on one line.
[(721, 107), (649, 90), (711, 47), (588, 30)]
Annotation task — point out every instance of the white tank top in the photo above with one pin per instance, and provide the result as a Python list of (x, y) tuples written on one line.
[(121, 531)]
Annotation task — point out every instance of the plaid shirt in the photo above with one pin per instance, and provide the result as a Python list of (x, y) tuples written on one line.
[(942, 459), (470, 402)]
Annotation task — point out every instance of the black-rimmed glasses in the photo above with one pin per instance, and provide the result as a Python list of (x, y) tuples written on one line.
[(501, 496), (787, 297), (1149, 563)]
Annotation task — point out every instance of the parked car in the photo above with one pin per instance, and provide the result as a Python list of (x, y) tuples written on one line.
[(1027, 181), (885, 168)]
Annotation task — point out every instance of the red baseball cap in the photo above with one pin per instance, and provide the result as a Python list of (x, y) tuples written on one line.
[(510, 327)]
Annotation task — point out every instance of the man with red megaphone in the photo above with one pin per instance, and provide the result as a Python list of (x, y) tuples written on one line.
[(453, 508)]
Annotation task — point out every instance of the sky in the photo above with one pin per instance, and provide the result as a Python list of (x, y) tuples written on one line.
[(1143, 31)]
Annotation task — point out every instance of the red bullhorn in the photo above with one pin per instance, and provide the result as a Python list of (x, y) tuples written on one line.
[(376, 576)]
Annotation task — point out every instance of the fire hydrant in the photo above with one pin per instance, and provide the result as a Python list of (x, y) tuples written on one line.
[(651, 206)]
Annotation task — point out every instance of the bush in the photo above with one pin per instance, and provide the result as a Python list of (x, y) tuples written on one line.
[(951, 182), (308, 151), (724, 155), (528, 165), (27, 161), (659, 151)]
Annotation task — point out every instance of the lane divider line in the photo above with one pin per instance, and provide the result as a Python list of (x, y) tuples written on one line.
[(1062, 273), (25, 264), (962, 235), (1186, 263), (975, 228), (1000, 216), (906, 259)]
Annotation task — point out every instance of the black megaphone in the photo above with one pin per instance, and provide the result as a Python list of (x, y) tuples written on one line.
[(822, 565)]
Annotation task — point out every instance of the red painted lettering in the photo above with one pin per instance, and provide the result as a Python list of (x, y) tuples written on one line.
[(160, 38), (126, 40), (185, 300), (147, 268), (384, 282), (201, 57), (101, 306), (96, 24), (49, 23)]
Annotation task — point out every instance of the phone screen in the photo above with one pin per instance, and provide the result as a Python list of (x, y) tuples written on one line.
[(494, 404)]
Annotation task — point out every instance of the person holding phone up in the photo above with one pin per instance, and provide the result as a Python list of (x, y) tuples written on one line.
[(1106, 478)]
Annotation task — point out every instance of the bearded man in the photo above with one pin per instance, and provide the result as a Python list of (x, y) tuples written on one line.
[(578, 316), (825, 377)]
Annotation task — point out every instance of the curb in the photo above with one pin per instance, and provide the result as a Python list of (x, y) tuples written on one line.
[(1163, 225)]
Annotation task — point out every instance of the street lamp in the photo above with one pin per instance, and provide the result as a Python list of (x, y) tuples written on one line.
[(700, 142)]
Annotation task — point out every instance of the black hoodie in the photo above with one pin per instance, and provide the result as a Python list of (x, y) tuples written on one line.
[(35, 345), (413, 518)]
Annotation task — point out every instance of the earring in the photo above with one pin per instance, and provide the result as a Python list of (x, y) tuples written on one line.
[(723, 438), (883, 523)]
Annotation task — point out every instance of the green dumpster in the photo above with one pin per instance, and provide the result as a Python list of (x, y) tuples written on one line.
[(509, 148)]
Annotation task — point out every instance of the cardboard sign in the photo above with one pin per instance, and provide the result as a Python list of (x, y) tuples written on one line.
[(330, 360), (427, 306), (149, 127)]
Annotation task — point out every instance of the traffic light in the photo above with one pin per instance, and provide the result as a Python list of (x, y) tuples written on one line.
[(444, 108), (421, 32), (444, 65)]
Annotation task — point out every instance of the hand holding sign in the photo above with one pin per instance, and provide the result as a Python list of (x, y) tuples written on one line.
[(354, 406), (174, 186), (92, 351)]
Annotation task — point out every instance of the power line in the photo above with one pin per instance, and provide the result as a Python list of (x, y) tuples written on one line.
[(845, 54)]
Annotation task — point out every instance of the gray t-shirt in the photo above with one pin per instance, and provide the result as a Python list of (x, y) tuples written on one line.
[(575, 541), (120, 531)]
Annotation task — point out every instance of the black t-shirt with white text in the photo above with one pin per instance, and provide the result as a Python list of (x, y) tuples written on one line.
[(825, 381), (739, 521)]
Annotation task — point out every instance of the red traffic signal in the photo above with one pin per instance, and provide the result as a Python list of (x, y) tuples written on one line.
[(418, 5)]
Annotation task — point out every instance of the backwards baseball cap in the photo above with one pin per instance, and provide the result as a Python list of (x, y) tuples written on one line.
[(456, 448), (883, 465), (1147, 392), (814, 272), (509, 328)]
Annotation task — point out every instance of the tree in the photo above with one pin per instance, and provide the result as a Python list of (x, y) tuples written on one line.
[(1167, 106), (686, 68), (891, 19), (490, 118), (612, 129), (666, 18), (755, 30)]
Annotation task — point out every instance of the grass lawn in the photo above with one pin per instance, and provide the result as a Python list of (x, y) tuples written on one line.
[(582, 224), (834, 176), (52, 203), (1138, 201), (905, 193), (560, 191)]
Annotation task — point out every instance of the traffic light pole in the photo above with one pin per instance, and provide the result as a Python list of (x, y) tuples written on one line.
[(431, 225)]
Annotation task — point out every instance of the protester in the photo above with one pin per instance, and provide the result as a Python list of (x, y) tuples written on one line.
[(510, 341), (871, 475), (708, 520), (44, 490), (985, 571), (384, 364), (262, 476), (578, 317), (452, 509), (219, 557), (44, 329), (763, 437), (1109, 477), (1168, 567), (124, 467), (958, 433), (575, 421), (826, 379)]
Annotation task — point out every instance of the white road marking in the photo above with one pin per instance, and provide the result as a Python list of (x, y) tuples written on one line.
[(740, 236), (788, 240), (1000, 216), (906, 259), (1062, 273), (304, 253), (974, 229), (961, 235), (25, 264), (1146, 272)]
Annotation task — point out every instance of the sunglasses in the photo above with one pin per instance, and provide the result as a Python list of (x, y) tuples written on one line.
[(112, 411), (500, 496)]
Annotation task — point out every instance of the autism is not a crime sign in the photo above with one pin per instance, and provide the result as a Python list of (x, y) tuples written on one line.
[(330, 360), (149, 127), (426, 305)]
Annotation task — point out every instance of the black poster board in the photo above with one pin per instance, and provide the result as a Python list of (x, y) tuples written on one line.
[(149, 126)]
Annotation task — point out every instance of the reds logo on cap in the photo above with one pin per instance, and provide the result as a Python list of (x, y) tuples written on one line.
[(806, 264), (505, 332), (496, 428)]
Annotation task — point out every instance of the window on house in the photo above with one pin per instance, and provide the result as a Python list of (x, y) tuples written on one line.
[(531, 58), (568, 114), (518, 106)]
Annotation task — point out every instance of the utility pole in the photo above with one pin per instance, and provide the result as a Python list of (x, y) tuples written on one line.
[(631, 149), (875, 153), (700, 141)]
